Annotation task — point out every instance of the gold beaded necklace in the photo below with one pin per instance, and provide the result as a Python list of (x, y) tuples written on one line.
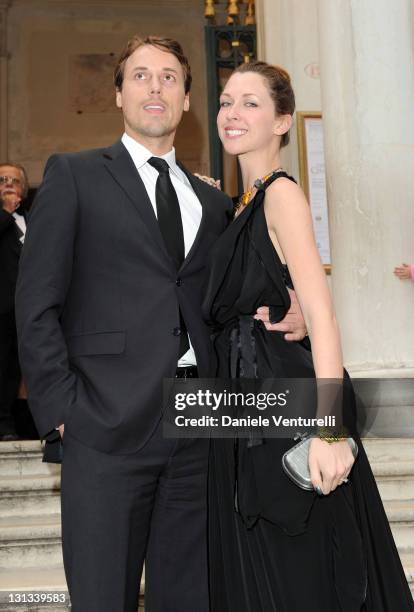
[(246, 196)]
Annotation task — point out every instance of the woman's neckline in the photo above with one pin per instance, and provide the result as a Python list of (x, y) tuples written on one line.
[(258, 190)]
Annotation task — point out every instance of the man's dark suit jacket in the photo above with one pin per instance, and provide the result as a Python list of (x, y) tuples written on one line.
[(98, 299), (10, 249)]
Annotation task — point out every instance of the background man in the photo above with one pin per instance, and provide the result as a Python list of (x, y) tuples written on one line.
[(13, 189)]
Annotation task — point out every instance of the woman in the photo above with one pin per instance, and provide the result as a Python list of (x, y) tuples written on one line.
[(274, 546)]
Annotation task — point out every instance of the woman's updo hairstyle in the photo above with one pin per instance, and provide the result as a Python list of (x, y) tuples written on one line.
[(280, 88)]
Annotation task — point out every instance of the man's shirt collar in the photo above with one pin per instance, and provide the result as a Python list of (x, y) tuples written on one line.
[(141, 154)]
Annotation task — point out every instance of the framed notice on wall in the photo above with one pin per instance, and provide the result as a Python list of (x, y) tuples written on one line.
[(312, 178)]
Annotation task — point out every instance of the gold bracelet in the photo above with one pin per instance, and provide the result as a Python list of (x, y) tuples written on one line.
[(331, 437)]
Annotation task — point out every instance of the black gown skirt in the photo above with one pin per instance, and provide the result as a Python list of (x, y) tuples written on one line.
[(285, 549)]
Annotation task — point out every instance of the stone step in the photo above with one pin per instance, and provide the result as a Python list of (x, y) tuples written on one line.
[(395, 487), (30, 541), (30, 504), (19, 583), (400, 510), (29, 495), (33, 583), (407, 560), (389, 450), (400, 514), (404, 536), (391, 469), (24, 457), (392, 462)]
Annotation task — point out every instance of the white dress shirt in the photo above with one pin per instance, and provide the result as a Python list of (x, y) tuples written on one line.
[(190, 206), (21, 224)]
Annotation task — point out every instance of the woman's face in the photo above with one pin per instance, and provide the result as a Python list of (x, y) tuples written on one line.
[(247, 119)]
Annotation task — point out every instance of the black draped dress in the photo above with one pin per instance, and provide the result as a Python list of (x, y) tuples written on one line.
[(284, 549)]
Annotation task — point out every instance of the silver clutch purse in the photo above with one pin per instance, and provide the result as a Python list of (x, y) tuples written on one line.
[(295, 461)]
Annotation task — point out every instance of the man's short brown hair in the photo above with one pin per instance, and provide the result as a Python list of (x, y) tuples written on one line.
[(23, 171), (164, 44)]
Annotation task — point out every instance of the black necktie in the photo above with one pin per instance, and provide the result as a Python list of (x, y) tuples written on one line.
[(171, 226), (168, 211)]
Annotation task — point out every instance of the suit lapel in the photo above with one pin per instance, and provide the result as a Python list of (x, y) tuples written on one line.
[(120, 165), (203, 195)]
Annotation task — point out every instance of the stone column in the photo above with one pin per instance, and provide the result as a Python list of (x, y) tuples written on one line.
[(367, 85)]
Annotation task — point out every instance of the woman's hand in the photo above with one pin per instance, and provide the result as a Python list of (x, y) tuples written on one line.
[(329, 464), (209, 180)]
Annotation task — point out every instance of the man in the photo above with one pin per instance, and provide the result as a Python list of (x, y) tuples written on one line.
[(13, 189), (108, 304)]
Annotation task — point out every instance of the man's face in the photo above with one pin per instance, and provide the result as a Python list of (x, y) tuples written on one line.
[(11, 186), (152, 97)]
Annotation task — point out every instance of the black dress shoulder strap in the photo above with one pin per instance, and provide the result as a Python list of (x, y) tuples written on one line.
[(275, 176)]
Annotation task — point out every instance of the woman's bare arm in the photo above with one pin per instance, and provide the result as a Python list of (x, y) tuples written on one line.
[(290, 226)]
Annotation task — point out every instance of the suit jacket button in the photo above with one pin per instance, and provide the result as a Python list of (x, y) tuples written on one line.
[(178, 282), (177, 331)]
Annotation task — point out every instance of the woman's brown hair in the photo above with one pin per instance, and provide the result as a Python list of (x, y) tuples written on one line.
[(280, 88)]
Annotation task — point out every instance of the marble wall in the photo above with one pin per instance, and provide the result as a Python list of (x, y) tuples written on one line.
[(58, 95), (288, 36)]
